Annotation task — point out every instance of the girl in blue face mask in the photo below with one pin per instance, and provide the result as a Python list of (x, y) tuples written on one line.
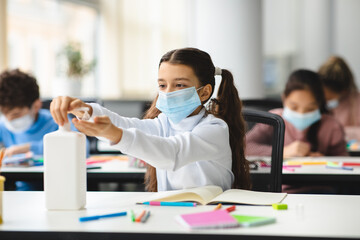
[(185, 144), (342, 95), (309, 130)]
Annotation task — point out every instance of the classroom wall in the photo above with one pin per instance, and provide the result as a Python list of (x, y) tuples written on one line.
[(244, 36), (305, 33), (3, 36), (347, 37), (231, 32)]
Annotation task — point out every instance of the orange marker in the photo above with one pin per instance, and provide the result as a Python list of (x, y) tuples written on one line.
[(217, 207), (2, 153), (138, 219)]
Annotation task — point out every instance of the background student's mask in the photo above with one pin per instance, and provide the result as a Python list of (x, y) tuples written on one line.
[(20, 124), (179, 104), (301, 120)]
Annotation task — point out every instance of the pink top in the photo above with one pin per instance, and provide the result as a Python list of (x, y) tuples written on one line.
[(348, 114), (330, 137)]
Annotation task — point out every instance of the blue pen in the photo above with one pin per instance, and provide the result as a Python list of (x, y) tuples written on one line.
[(96, 217), (340, 167), (178, 204)]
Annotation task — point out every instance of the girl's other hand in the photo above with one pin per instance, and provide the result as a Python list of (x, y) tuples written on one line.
[(101, 127), (297, 149), (61, 106)]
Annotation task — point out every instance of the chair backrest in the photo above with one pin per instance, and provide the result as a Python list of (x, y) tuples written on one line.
[(264, 104), (264, 149)]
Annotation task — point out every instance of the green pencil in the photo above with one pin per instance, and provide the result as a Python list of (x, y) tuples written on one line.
[(132, 216)]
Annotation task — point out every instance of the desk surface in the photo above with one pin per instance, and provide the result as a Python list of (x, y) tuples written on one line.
[(324, 216)]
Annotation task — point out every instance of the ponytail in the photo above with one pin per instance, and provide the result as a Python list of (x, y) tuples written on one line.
[(228, 107), (150, 180)]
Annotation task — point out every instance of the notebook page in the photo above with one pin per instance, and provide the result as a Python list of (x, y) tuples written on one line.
[(201, 195), (249, 197)]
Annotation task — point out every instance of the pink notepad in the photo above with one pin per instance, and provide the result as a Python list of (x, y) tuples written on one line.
[(210, 219)]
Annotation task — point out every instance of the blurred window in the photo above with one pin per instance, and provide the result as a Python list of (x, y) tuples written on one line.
[(38, 30)]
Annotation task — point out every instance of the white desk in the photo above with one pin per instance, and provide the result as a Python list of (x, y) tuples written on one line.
[(323, 216)]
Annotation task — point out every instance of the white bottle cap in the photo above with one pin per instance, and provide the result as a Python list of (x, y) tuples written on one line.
[(65, 127)]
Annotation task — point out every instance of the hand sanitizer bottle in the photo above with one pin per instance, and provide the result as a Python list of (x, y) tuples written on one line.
[(65, 169)]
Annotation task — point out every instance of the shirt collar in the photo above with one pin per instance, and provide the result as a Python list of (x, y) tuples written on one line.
[(188, 123)]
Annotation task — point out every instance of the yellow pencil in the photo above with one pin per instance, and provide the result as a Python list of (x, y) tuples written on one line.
[(217, 207)]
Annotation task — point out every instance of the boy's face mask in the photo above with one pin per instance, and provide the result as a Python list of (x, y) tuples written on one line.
[(179, 104), (20, 124), (301, 121)]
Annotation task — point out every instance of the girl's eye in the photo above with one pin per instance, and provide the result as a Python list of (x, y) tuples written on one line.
[(294, 108), (310, 109), (161, 86), (180, 85)]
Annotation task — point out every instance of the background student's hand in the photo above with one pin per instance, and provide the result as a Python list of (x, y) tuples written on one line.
[(316, 154), (17, 149), (61, 106), (101, 127), (297, 149)]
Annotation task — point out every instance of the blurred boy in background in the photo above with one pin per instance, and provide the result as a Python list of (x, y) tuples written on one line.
[(23, 123)]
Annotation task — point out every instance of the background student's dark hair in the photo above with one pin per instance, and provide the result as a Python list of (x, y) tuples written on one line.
[(308, 80), (336, 75), (227, 106), (17, 89)]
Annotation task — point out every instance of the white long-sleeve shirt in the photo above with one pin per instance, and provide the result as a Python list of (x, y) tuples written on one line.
[(195, 152)]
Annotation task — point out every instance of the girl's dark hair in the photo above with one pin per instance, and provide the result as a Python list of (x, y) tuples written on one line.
[(227, 106), (336, 75), (308, 80), (17, 89)]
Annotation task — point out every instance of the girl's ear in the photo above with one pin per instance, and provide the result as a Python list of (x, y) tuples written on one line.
[(205, 93)]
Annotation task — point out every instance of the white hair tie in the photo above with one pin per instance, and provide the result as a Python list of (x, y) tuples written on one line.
[(217, 71)]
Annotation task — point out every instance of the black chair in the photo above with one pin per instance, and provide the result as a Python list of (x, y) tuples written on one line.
[(264, 149), (264, 104)]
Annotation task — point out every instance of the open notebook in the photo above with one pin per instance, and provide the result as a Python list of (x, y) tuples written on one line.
[(214, 194)]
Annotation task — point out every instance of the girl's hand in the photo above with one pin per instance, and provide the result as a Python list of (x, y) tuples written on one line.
[(101, 127), (297, 149), (61, 106)]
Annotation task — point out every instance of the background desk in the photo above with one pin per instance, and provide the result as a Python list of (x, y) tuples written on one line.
[(323, 216), (119, 172), (345, 180), (113, 171)]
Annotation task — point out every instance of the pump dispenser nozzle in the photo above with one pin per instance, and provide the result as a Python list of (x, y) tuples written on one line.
[(65, 127), (85, 116)]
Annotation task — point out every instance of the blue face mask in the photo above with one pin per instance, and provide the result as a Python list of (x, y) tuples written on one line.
[(179, 104), (301, 120)]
